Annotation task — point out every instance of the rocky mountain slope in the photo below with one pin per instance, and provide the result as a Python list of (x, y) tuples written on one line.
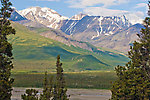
[(121, 40), (15, 16), (110, 32), (61, 37)]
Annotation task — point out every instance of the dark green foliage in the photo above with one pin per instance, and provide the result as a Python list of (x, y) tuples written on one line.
[(88, 80), (59, 87), (31, 94), (51, 90), (134, 78), (5, 51), (47, 88), (133, 84), (141, 50)]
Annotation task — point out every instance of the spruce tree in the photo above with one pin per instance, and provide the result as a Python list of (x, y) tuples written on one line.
[(59, 88), (144, 45), (5, 51), (47, 88), (31, 94), (134, 78)]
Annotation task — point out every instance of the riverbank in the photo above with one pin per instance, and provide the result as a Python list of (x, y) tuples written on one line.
[(75, 94)]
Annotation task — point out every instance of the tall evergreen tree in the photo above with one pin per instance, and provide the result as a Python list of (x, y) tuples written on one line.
[(145, 44), (59, 87), (47, 88), (5, 51), (134, 78)]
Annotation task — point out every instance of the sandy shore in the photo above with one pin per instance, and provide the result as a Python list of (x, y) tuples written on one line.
[(75, 94)]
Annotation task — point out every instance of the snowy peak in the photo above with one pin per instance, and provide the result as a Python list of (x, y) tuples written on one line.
[(52, 19), (78, 17), (97, 25), (45, 16), (37, 11), (121, 20)]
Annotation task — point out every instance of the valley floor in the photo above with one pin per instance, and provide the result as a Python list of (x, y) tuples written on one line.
[(75, 94)]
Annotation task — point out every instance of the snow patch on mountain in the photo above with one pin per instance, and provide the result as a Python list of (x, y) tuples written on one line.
[(101, 28), (78, 16), (71, 26), (100, 24), (26, 11), (45, 16), (123, 19)]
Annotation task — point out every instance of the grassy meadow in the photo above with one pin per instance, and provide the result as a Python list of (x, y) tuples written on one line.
[(87, 80), (35, 53)]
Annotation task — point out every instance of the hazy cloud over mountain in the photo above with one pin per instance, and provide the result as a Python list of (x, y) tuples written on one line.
[(88, 3), (111, 8), (140, 5)]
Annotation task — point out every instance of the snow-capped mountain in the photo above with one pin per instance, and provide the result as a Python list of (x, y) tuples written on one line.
[(15, 16), (115, 32), (97, 25), (110, 32), (76, 24), (45, 16)]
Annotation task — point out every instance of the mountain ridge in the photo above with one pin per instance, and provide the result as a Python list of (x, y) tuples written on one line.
[(99, 31)]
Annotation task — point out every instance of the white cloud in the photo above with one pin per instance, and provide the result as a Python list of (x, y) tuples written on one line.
[(140, 5), (133, 17), (89, 3), (101, 11), (101, 8), (47, 0)]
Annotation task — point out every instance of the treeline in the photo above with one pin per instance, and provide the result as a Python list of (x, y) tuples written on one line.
[(134, 78), (53, 89), (86, 80)]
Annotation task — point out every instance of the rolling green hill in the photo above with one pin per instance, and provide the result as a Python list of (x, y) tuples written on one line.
[(35, 53)]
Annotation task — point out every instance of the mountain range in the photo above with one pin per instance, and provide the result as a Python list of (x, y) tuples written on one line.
[(113, 32), (84, 42)]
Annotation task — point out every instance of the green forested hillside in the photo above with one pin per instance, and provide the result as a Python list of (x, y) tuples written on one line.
[(35, 53)]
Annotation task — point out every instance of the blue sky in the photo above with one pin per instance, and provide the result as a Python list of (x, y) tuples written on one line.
[(134, 9)]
